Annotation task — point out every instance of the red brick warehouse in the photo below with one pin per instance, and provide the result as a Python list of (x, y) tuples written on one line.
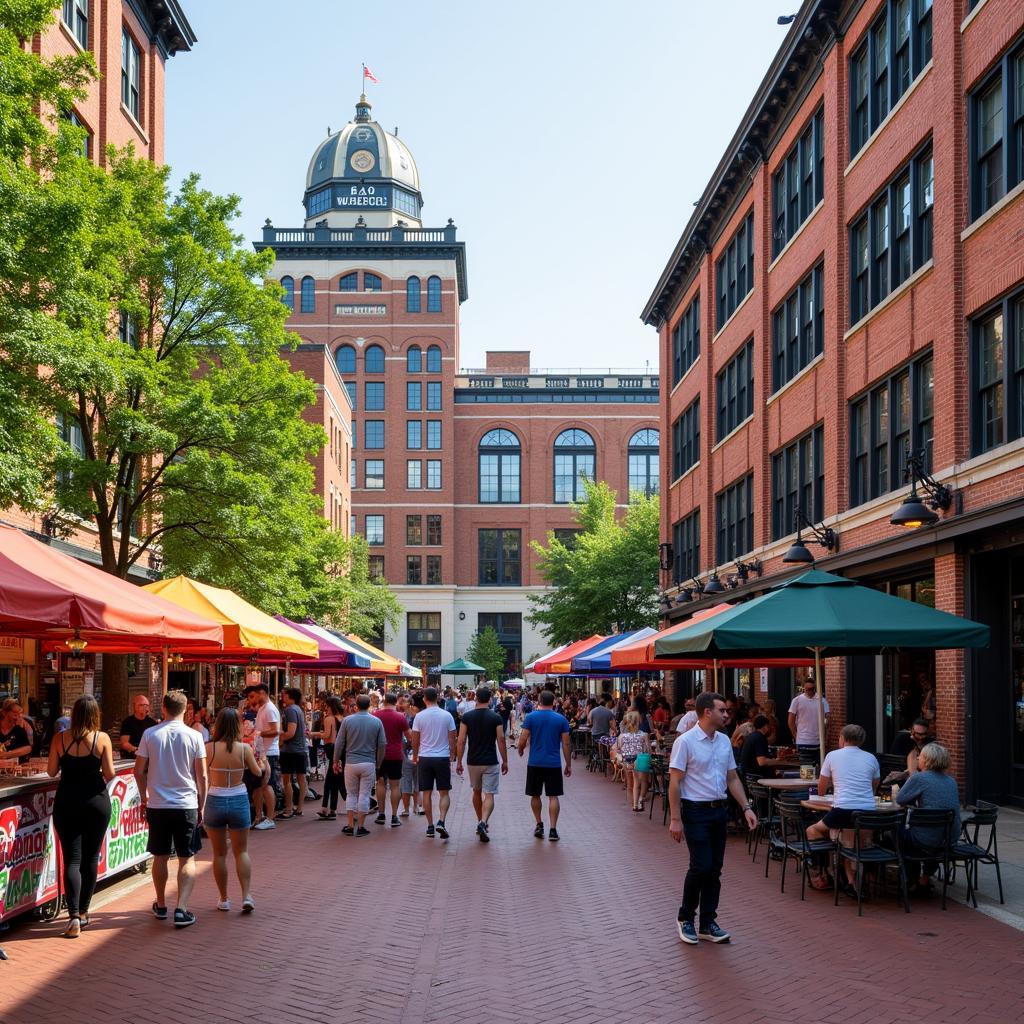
[(849, 292)]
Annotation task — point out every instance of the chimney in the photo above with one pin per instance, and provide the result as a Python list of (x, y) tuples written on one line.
[(508, 362)]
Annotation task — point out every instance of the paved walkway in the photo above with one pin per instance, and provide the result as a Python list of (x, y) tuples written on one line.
[(398, 928)]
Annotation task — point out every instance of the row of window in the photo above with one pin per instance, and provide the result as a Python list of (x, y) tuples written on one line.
[(374, 360), (374, 395), (371, 283), (373, 474)]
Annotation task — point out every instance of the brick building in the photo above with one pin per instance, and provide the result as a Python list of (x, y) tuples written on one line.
[(453, 472), (850, 289)]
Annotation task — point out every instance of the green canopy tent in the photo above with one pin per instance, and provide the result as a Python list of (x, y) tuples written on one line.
[(462, 667), (821, 612)]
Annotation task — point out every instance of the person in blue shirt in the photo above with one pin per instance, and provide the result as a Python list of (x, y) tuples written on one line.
[(546, 732)]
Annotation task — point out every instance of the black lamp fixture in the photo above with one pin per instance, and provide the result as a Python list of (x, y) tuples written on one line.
[(665, 554), (799, 553), (785, 19), (714, 584), (744, 569), (917, 510), (665, 602)]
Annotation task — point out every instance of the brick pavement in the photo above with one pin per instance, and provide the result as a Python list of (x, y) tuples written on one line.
[(399, 928)]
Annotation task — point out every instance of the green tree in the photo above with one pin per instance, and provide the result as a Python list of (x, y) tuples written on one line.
[(485, 649), (607, 579)]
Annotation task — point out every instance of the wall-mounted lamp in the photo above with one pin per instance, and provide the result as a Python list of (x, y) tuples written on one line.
[(799, 553), (714, 584), (665, 555), (919, 511), (744, 569)]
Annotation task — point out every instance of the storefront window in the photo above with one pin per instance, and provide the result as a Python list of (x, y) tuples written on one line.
[(1017, 641)]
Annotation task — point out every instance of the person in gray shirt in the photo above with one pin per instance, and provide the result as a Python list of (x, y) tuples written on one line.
[(602, 718), (932, 789), (294, 751), (362, 742)]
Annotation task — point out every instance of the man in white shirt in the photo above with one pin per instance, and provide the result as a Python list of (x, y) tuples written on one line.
[(702, 771), (268, 732), (433, 750), (854, 776), (170, 770), (803, 719), (466, 704)]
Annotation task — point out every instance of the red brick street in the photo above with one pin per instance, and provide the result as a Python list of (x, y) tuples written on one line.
[(400, 928)]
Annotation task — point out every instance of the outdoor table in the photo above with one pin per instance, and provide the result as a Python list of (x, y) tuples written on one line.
[(788, 783), (824, 803)]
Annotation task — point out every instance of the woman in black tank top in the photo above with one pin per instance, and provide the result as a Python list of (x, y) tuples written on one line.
[(84, 757)]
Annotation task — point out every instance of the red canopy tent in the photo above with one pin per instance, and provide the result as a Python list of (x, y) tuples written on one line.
[(545, 665)]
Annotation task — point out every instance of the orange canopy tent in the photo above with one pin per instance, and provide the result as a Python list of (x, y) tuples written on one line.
[(560, 659)]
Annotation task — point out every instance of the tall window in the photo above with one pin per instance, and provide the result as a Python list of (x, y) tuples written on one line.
[(413, 570), (86, 147), (499, 467), (373, 361), (433, 295), (345, 359), (894, 417), (895, 51), (373, 471), (509, 627), (734, 271), (433, 394), (131, 74), (798, 481), (414, 360), (71, 434), (413, 395), (893, 237), (353, 392), (735, 387), (997, 372), (413, 434), (434, 530), (997, 133), (288, 284), (308, 295), (433, 569), (734, 509), (500, 558), (433, 474), (686, 340), (128, 330), (686, 440), (434, 435), (798, 329), (799, 183), (412, 295), (376, 568), (374, 392), (414, 474), (76, 16), (575, 455), (643, 462), (686, 548), (413, 530), (375, 530), (372, 283), (373, 434), (434, 359), (349, 282)]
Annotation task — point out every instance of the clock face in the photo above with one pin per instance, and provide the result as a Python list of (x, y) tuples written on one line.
[(362, 161)]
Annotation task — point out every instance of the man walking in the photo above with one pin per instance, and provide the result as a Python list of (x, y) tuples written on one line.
[(362, 743), (482, 731), (433, 750), (701, 769), (267, 743), (396, 730), (294, 751), (547, 734), (170, 771)]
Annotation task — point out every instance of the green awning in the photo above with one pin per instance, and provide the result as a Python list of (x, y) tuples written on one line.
[(461, 667), (835, 615)]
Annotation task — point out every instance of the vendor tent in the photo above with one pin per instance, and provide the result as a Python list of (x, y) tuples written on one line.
[(336, 658), (825, 614), (559, 661), (462, 667), (380, 663), (598, 657)]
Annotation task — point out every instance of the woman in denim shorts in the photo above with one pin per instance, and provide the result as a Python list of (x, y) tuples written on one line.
[(227, 805)]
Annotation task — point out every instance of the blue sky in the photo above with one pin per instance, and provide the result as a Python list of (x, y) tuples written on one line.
[(568, 140)]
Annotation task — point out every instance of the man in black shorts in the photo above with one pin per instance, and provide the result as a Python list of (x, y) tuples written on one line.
[(547, 733), (396, 730), (294, 751)]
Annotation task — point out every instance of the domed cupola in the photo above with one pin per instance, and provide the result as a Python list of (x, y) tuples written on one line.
[(363, 171)]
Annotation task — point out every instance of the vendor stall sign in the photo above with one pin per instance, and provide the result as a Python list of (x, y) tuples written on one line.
[(28, 853), (127, 831), (15, 651)]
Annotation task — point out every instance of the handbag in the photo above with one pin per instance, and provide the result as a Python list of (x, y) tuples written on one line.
[(643, 763)]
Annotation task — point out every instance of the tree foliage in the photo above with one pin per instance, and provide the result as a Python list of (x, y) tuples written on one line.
[(606, 581), (485, 649)]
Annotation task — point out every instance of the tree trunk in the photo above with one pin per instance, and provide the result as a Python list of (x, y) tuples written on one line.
[(115, 689)]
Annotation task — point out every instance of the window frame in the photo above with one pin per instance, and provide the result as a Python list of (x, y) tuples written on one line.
[(798, 481), (373, 474), (131, 75), (434, 428), (435, 528), (500, 558), (378, 521), (414, 433), (374, 388), (734, 271), (433, 359), (735, 397), (349, 282), (373, 435), (349, 350), (413, 531), (791, 177), (686, 548), (686, 340), (502, 452), (413, 396), (433, 294), (414, 474), (307, 295), (413, 570), (75, 16), (1010, 382), (729, 545), (414, 359), (379, 363), (413, 294), (434, 397), (288, 284), (434, 475), (579, 454), (798, 328), (650, 454), (686, 439), (372, 282)]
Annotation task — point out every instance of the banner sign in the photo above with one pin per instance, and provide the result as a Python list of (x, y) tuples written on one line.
[(28, 852), (127, 831)]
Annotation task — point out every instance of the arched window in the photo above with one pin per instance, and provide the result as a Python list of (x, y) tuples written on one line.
[(643, 462), (349, 282), (499, 467), (372, 283), (374, 361), (433, 295), (412, 295), (575, 454), (288, 284), (434, 359), (308, 295), (414, 360), (345, 359)]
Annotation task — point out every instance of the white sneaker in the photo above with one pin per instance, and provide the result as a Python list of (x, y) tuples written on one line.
[(264, 825), (224, 905), (248, 905)]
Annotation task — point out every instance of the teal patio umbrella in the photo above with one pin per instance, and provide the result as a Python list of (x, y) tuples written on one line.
[(821, 612)]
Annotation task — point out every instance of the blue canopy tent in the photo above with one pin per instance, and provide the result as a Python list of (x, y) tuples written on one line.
[(599, 657)]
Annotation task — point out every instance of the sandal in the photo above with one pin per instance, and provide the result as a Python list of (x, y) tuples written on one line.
[(326, 815), (283, 817)]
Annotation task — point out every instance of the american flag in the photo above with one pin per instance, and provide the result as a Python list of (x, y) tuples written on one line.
[(367, 73)]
